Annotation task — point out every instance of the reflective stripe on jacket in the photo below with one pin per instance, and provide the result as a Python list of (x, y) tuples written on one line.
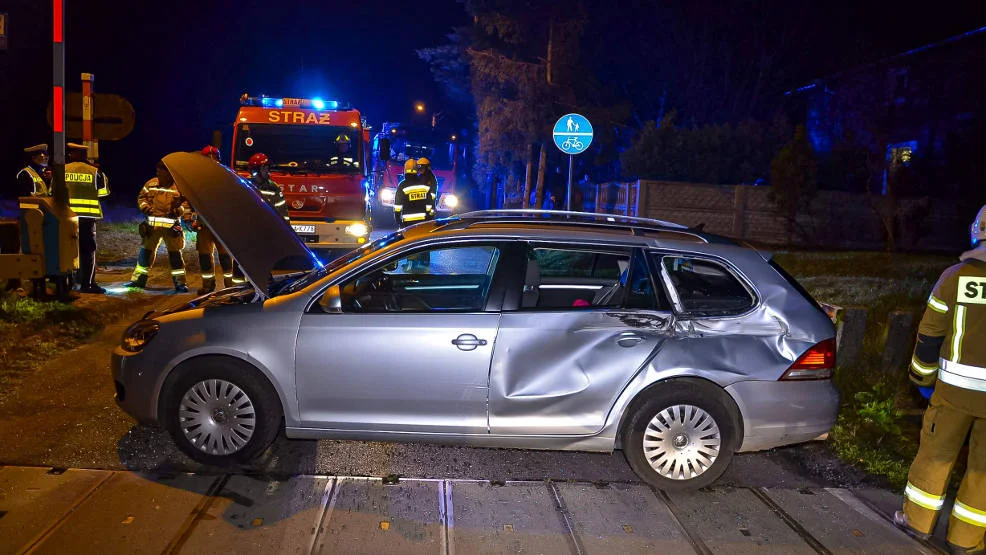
[(160, 202), (950, 342)]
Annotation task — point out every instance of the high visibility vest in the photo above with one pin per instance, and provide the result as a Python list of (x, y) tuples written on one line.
[(83, 190), (40, 187)]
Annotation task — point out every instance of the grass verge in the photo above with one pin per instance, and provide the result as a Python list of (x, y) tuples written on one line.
[(33, 332), (879, 425)]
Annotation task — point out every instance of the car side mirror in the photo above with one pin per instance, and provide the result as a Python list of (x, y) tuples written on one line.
[(331, 301)]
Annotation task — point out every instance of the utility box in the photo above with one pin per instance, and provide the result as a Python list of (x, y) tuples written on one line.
[(49, 235)]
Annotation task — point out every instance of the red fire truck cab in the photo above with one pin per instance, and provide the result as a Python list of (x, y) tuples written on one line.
[(317, 150), (397, 143)]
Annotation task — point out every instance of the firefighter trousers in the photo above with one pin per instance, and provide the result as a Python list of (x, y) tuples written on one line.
[(943, 434), (205, 243), (174, 241)]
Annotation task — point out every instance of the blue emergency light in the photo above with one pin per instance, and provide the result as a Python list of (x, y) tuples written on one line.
[(309, 103)]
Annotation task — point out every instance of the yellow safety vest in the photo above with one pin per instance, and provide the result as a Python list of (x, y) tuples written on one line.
[(83, 190)]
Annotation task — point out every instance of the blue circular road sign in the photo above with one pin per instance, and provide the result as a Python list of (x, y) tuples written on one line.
[(572, 134)]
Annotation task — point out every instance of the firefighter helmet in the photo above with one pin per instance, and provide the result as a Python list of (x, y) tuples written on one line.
[(257, 160), (210, 151), (424, 162), (410, 167), (978, 231), (343, 138)]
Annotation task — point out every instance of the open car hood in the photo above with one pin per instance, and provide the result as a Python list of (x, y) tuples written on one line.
[(253, 233)]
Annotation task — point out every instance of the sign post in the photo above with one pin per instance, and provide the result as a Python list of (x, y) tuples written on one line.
[(58, 104), (87, 138), (572, 135), (3, 31)]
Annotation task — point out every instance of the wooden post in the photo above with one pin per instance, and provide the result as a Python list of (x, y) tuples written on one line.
[(528, 175), (539, 192), (849, 337)]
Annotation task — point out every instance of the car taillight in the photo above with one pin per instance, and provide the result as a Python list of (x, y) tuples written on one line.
[(817, 363)]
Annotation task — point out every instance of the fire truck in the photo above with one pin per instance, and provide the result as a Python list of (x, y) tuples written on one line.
[(397, 143), (318, 155)]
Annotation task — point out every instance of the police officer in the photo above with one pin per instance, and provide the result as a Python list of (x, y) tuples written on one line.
[(86, 185), (949, 365), (161, 202), (414, 200), (35, 178), (205, 243), (259, 165)]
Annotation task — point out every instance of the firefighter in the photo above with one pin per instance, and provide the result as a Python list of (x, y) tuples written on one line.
[(205, 244), (344, 155), (34, 180), (414, 200), (161, 202), (271, 192), (86, 185), (949, 365), (425, 175)]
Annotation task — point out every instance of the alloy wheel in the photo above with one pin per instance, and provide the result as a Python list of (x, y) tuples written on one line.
[(681, 442), (217, 417)]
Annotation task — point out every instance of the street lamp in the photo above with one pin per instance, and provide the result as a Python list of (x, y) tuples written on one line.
[(419, 107)]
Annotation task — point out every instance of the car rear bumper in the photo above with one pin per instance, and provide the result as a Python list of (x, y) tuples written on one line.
[(134, 387), (781, 413)]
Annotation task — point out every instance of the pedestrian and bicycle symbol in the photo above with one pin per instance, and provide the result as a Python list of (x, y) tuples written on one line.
[(572, 134)]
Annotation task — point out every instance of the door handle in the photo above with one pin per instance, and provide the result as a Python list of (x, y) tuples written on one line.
[(628, 339), (468, 342)]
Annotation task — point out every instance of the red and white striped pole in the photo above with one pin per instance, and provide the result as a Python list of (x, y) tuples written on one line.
[(91, 145), (58, 105)]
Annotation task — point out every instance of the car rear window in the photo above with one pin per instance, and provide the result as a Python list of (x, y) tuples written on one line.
[(794, 283), (705, 287)]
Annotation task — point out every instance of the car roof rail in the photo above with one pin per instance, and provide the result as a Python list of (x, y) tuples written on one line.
[(632, 224)]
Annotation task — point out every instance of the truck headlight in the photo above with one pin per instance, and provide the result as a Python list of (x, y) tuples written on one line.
[(387, 196), (357, 229), (139, 334), (448, 201)]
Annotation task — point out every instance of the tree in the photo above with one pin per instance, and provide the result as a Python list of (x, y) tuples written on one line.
[(793, 177)]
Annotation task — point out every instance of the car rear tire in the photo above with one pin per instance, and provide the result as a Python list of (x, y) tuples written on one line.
[(221, 413), (681, 436)]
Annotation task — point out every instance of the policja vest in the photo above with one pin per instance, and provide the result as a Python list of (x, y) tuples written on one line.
[(38, 186), (85, 186)]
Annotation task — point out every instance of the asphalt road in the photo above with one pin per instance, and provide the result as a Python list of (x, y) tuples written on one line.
[(65, 416)]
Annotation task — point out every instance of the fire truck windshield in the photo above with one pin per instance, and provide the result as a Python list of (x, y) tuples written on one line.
[(300, 148)]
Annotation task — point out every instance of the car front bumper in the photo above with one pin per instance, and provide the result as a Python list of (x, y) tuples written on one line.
[(135, 388), (779, 413)]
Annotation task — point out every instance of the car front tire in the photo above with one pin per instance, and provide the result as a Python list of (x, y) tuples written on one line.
[(681, 436), (220, 413)]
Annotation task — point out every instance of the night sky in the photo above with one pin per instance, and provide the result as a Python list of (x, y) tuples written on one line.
[(184, 69)]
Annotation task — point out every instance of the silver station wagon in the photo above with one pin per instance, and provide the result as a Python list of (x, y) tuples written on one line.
[(513, 329)]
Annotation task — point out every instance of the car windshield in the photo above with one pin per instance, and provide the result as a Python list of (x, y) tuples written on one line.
[(300, 148), (292, 284), (420, 143)]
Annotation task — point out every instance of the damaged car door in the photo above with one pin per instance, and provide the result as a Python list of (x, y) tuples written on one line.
[(590, 318)]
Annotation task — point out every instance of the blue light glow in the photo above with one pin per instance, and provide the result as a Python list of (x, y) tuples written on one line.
[(318, 103)]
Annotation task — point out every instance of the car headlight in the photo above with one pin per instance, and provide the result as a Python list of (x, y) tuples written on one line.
[(139, 334), (387, 196), (448, 201), (357, 229)]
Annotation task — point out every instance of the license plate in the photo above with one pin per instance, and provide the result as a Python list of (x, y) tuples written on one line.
[(303, 228)]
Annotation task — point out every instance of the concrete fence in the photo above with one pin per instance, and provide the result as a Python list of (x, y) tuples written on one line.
[(851, 324), (834, 219)]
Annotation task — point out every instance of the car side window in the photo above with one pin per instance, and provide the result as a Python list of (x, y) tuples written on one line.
[(706, 288), (452, 279), (562, 278)]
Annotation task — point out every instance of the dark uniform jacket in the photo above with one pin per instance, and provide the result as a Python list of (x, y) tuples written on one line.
[(414, 201), (272, 193)]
